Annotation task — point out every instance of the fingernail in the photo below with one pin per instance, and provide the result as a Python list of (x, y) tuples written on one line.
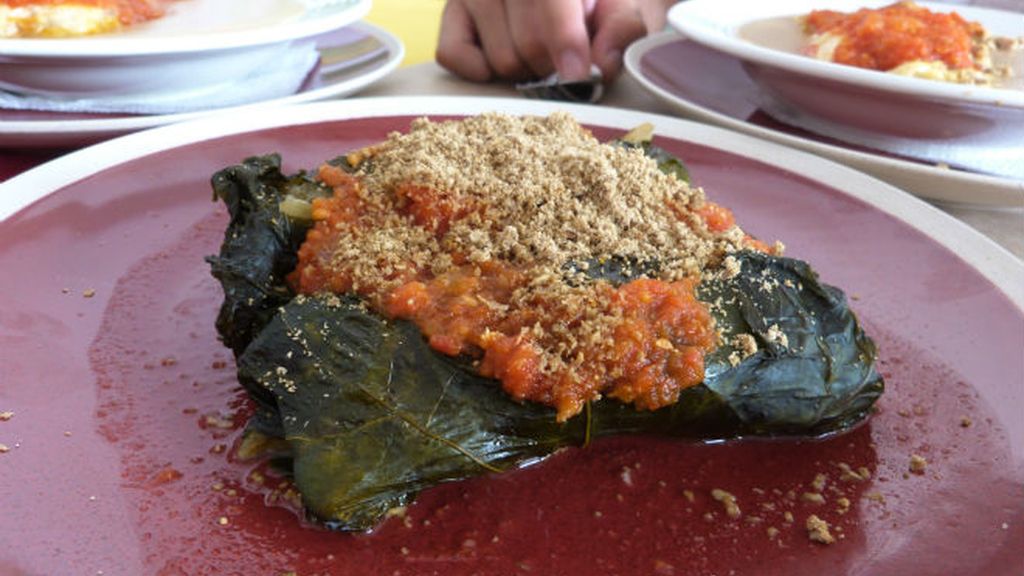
[(571, 67)]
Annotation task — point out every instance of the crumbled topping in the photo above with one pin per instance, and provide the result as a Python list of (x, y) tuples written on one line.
[(731, 267), (553, 194), (5, 416), (812, 498), (817, 530), (540, 194), (732, 509), (848, 474), (776, 335), (745, 345), (918, 463)]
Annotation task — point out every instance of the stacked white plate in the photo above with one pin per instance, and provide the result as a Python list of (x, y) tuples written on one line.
[(201, 56)]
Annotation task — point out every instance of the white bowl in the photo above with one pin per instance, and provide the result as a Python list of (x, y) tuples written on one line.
[(922, 118)]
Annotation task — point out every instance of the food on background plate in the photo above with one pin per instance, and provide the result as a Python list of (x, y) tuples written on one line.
[(907, 39), (471, 296), (63, 18)]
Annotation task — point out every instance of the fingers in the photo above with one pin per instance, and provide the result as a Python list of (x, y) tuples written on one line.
[(458, 49), (515, 39), (564, 27), (495, 37), (528, 37), (617, 23)]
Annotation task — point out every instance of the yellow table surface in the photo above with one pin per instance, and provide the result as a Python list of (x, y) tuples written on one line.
[(414, 22)]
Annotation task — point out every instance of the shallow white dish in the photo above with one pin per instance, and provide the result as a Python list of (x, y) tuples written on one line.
[(975, 126), (717, 23), (53, 129), (728, 99), (197, 44)]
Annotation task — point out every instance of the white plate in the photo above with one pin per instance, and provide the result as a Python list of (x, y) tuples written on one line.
[(924, 180), (961, 125), (53, 129), (198, 43), (717, 23)]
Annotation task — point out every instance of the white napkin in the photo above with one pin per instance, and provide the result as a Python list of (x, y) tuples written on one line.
[(282, 76), (999, 153)]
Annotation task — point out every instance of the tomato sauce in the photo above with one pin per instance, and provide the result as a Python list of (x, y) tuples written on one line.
[(654, 351), (884, 38)]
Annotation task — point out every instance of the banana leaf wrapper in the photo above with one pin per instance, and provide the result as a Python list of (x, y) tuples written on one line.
[(371, 415)]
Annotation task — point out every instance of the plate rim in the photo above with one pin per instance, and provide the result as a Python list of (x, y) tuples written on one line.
[(1012, 194), (979, 252), (112, 47), (81, 129), (685, 17)]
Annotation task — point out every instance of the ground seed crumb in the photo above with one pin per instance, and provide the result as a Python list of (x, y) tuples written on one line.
[(813, 498), (965, 422), (818, 484), (4, 449), (772, 532), (223, 521), (844, 504), (538, 195), (731, 267), (776, 335), (918, 464), (788, 517), (848, 474), (817, 530), (396, 512), (732, 509), (89, 293), (5, 416), (745, 345), (688, 494)]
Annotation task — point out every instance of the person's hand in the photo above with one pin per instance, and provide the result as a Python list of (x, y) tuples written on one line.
[(518, 39)]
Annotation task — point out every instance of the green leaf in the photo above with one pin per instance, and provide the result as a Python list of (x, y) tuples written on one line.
[(642, 137), (372, 415)]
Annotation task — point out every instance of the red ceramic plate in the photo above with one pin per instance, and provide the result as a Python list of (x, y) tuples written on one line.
[(126, 410)]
